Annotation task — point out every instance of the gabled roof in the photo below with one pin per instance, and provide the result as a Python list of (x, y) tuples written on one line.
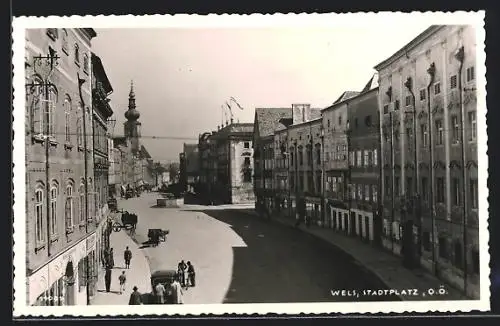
[(267, 120), (372, 83), (346, 95)]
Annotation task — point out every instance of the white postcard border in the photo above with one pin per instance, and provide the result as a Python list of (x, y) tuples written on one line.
[(254, 20)]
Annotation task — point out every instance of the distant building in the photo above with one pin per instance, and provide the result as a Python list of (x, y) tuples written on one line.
[(189, 167), (226, 175)]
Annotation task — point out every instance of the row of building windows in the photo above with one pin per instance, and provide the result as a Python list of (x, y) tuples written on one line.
[(43, 115), (439, 130), (73, 214), (440, 188), (364, 192), (54, 34), (366, 158), (470, 76)]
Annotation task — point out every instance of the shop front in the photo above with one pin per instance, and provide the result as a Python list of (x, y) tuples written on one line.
[(55, 284)]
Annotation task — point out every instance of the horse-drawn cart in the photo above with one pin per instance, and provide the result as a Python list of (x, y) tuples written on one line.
[(156, 236), (128, 222)]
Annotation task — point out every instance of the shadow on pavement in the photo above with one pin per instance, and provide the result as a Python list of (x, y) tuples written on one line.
[(282, 264)]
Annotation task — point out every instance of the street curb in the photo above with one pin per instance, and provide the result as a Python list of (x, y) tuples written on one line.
[(359, 263)]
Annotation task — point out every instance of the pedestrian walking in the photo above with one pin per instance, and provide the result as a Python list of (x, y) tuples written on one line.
[(177, 291), (122, 279), (191, 274), (160, 293), (107, 278), (135, 297), (111, 258), (127, 255), (181, 271)]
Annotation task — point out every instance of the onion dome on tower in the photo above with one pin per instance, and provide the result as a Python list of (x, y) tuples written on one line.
[(132, 114)]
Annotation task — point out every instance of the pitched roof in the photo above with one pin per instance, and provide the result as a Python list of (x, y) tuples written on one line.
[(268, 119), (346, 95), (372, 83)]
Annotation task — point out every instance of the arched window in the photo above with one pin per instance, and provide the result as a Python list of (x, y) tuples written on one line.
[(77, 54), (36, 110), (79, 125), (68, 208), (39, 229), (49, 121), (86, 63), (54, 191), (65, 41), (67, 121), (91, 199), (81, 203)]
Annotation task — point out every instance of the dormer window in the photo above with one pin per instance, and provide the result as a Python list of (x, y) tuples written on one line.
[(52, 33)]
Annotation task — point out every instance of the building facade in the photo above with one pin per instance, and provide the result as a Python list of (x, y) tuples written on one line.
[(102, 112), (190, 167), (60, 223), (227, 168), (364, 167), (430, 194)]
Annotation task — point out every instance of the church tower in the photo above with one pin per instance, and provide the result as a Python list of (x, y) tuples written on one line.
[(132, 127)]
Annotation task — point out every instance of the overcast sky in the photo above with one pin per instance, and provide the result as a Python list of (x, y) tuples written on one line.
[(183, 76)]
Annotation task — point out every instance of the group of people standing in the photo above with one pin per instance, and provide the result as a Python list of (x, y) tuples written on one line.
[(187, 275)]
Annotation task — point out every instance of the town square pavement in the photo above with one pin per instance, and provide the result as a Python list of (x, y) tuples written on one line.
[(243, 259)]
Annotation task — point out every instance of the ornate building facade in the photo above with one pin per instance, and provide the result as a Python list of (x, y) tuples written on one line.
[(428, 107), (60, 223)]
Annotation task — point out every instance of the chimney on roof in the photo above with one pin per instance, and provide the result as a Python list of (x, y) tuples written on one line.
[(301, 113), (232, 120)]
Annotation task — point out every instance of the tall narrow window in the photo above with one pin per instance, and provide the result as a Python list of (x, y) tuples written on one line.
[(396, 105), (367, 193), (375, 158), (396, 132), (455, 129), (79, 126), (425, 189), (36, 110), (408, 100), (358, 159), (439, 132), (472, 125), (366, 159), (437, 88), (65, 41), (473, 193), (77, 54), (68, 209), (50, 113), (423, 135), (440, 190), (39, 229), (455, 188), (374, 193), (53, 209), (470, 74), (409, 133), (422, 94), (397, 192), (318, 156), (453, 81), (409, 186), (81, 204), (388, 186), (67, 120), (360, 192)]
